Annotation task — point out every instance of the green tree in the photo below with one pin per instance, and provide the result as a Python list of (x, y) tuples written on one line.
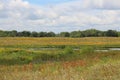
[(76, 34), (118, 34), (2, 33), (34, 34), (111, 33), (10, 33), (24, 34), (91, 33), (64, 34), (50, 34), (42, 34), (13, 33)]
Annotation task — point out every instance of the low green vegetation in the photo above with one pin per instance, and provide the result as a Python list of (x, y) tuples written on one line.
[(11, 56)]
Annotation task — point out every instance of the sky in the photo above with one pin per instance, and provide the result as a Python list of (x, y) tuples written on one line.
[(48, 2), (59, 15)]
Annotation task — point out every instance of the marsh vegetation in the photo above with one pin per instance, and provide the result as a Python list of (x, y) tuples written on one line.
[(60, 58)]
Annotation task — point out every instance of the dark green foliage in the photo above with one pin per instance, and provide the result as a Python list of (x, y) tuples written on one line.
[(118, 34), (42, 34), (11, 33), (4, 33), (50, 34), (34, 34), (112, 33), (20, 34), (91, 33), (26, 33), (64, 34), (74, 34)]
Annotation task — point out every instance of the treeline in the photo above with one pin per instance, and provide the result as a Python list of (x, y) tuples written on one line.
[(74, 34)]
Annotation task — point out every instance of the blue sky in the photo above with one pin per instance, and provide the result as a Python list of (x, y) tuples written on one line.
[(46, 2), (59, 15)]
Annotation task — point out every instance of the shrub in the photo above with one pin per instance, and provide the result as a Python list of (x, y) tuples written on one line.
[(87, 50), (68, 50)]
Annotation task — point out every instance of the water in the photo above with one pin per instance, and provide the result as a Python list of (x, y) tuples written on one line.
[(102, 50), (108, 49), (114, 49), (98, 50)]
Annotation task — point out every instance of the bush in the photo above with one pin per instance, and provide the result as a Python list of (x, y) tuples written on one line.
[(68, 50), (87, 50)]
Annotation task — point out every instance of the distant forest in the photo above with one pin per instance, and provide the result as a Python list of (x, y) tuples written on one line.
[(74, 34)]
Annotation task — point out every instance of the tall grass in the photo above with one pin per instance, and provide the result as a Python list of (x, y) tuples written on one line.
[(92, 68), (73, 59), (50, 42)]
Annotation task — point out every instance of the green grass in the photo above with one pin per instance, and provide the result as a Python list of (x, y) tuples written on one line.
[(12, 56)]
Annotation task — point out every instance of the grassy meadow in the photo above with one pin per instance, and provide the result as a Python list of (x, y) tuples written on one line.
[(96, 41), (59, 58)]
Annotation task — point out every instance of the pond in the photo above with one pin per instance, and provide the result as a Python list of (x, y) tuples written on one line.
[(114, 49), (98, 50), (108, 49)]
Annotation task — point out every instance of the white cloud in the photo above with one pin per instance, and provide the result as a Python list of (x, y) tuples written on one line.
[(102, 4), (21, 15)]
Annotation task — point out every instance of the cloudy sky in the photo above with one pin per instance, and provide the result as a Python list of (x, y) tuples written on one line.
[(59, 15)]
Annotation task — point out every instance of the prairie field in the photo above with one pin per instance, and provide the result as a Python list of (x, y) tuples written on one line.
[(91, 58), (10, 41)]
